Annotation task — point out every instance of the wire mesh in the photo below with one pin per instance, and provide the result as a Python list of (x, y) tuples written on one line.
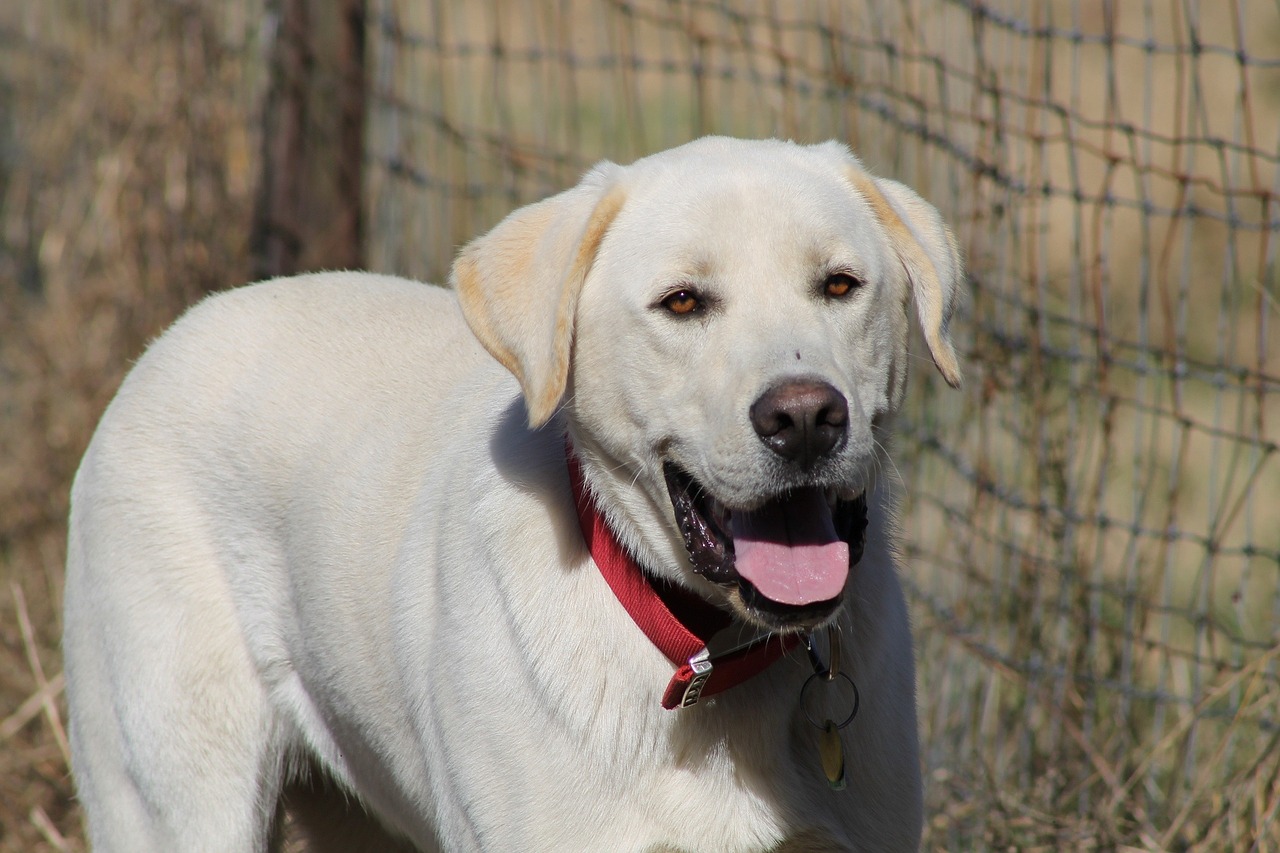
[(1091, 537)]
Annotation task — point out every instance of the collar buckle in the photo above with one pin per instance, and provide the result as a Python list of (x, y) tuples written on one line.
[(701, 666)]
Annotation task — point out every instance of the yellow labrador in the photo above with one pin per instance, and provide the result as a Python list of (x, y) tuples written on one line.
[(553, 560)]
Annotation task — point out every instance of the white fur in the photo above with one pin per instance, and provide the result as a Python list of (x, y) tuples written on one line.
[(315, 530)]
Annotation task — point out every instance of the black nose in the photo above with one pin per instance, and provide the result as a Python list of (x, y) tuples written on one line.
[(801, 420)]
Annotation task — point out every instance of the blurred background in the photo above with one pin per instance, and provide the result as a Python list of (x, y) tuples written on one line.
[(1091, 528)]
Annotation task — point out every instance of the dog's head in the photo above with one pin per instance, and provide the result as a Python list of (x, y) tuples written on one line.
[(725, 325)]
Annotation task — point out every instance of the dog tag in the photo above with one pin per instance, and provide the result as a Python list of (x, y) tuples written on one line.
[(831, 750)]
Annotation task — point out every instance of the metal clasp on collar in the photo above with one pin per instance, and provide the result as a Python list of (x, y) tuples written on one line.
[(701, 666)]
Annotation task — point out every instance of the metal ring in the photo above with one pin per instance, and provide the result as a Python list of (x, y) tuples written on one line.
[(857, 700)]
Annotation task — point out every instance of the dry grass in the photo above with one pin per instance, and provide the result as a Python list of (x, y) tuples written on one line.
[(125, 194)]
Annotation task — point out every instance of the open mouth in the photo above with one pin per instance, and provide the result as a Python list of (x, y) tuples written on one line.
[(784, 563)]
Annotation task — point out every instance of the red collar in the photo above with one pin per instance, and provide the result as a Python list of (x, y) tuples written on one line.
[(684, 640)]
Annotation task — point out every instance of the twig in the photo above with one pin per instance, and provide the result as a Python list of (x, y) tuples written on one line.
[(33, 660), (13, 723), (48, 830)]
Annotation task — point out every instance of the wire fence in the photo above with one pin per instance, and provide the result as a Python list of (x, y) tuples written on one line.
[(1092, 528)]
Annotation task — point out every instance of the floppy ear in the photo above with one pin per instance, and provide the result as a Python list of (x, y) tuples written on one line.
[(928, 252), (518, 285)]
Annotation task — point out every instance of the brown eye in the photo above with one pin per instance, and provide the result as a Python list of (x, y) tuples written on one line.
[(840, 284), (682, 302)]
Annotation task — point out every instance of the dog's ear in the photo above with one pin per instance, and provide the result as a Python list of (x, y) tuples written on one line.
[(930, 256), (519, 284)]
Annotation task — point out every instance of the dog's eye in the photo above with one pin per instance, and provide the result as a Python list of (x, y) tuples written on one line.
[(840, 284), (682, 302)]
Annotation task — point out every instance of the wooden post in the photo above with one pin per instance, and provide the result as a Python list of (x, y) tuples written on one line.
[(348, 245), (310, 206), (277, 232)]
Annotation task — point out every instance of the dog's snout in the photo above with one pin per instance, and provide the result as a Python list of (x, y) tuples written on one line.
[(801, 420)]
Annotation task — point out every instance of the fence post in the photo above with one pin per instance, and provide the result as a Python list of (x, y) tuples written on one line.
[(310, 207), (353, 82)]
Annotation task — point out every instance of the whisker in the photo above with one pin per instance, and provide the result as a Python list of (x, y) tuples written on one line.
[(897, 474)]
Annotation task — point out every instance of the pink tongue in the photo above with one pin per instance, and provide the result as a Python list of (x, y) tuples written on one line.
[(789, 551)]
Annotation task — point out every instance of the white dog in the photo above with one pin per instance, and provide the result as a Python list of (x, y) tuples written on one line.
[(327, 555)]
